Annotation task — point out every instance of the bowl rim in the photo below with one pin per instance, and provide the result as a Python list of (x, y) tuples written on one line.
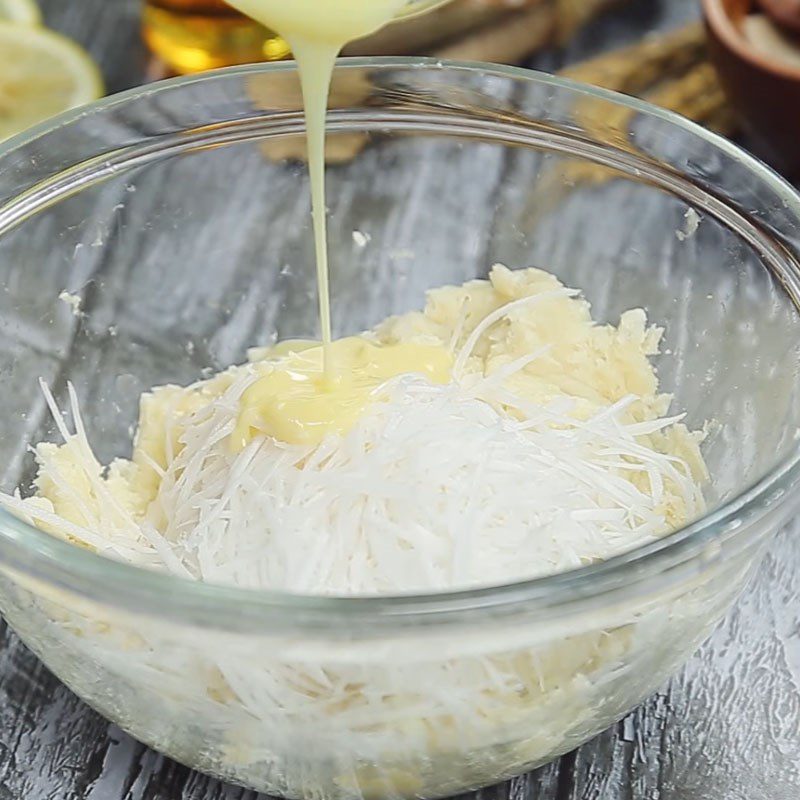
[(32, 557), (719, 21)]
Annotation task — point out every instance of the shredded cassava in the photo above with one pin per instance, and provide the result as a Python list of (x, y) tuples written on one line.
[(549, 449)]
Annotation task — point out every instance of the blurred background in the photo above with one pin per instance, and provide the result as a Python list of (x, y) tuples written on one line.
[(738, 74)]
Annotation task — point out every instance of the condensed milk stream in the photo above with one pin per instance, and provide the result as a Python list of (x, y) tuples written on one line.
[(316, 31)]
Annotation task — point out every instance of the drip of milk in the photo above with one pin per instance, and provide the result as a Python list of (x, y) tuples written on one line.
[(316, 31)]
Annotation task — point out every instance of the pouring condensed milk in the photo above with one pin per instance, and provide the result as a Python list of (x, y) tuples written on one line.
[(320, 392), (527, 440)]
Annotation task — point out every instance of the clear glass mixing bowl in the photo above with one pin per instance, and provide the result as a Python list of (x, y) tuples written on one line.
[(179, 214)]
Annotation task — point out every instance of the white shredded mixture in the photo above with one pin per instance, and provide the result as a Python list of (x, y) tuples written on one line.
[(361, 239), (550, 449), (72, 300), (691, 224)]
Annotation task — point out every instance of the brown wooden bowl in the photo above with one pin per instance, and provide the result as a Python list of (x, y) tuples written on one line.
[(764, 92)]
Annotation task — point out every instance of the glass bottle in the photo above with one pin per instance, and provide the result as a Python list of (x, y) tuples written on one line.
[(194, 35)]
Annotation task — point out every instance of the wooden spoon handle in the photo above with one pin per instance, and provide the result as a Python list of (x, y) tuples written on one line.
[(785, 13)]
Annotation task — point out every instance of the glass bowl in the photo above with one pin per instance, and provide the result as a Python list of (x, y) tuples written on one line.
[(178, 215)]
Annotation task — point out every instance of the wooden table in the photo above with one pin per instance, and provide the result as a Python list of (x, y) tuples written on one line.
[(726, 728)]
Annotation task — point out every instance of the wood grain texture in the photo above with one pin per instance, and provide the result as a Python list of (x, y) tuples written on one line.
[(726, 728)]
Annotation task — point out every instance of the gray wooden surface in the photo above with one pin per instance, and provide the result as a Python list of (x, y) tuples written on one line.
[(726, 728)]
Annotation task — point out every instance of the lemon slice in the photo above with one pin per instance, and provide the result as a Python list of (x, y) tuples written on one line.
[(23, 12), (42, 74)]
